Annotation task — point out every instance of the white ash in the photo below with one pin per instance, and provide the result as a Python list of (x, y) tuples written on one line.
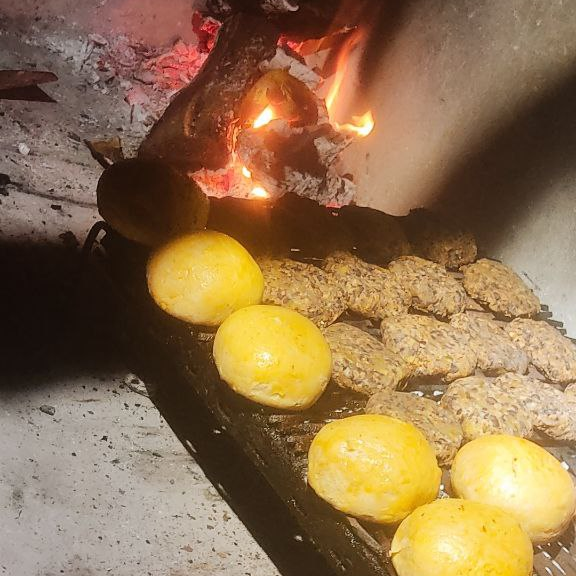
[(340, 191), (300, 183), (297, 69), (331, 146)]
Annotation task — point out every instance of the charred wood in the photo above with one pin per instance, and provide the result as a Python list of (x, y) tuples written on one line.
[(193, 132), (289, 226)]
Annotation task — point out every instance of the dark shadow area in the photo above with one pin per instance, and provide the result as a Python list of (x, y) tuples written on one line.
[(60, 318), (232, 473), (56, 317), (496, 185)]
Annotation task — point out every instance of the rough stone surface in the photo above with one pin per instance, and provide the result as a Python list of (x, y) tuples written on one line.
[(92, 479)]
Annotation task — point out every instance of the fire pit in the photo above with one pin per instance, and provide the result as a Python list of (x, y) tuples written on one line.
[(252, 124), (259, 123), (258, 129)]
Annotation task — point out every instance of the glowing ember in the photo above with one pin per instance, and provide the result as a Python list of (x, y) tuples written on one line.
[(246, 172), (266, 116), (361, 125), (259, 192)]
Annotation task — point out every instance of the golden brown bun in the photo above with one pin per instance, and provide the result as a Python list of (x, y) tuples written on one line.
[(373, 467), (203, 277), (273, 356), (521, 478), (150, 202), (453, 537)]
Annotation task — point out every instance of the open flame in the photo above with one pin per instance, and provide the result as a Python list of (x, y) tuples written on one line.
[(265, 117), (257, 191), (360, 125)]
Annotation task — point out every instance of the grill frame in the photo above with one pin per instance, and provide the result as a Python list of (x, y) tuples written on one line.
[(178, 358)]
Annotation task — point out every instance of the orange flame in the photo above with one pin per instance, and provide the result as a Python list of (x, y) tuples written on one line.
[(341, 67), (360, 125), (265, 117), (259, 192)]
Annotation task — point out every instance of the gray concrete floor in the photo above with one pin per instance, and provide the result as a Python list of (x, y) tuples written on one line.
[(102, 485)]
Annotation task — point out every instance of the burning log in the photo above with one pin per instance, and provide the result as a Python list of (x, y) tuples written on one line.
[(193, 132), (290, 226), (299, 160)]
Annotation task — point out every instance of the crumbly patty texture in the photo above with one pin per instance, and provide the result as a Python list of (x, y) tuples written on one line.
[(499, 288), (302, 287), (430, 347), (551, 352), (361, 362), (496, 352), (484, 407), (370, 290), (429, 285), (553, 412), (443, 242), (438, 424)]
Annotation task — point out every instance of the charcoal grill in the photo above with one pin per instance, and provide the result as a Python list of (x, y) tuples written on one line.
[(178, 356)]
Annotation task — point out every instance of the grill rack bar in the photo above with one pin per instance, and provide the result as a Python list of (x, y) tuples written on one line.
[(277, 442)]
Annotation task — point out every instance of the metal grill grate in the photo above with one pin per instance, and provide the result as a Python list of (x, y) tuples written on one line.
[(277, 443)]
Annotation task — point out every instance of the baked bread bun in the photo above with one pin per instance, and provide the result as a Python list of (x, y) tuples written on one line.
[(203, 277), (521, 478), (273, 356), (150, 202), (373, 467), (453, 537)]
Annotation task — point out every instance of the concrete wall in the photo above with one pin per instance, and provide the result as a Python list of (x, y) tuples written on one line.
[(150, 21), (475, 105)]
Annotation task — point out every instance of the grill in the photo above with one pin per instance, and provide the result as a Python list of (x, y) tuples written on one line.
[(178, 357)]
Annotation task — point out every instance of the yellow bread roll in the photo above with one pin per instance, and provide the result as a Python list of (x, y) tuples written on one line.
[(521, 478), (373, 467), (453, 537), (273, 356), (203, 277)]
